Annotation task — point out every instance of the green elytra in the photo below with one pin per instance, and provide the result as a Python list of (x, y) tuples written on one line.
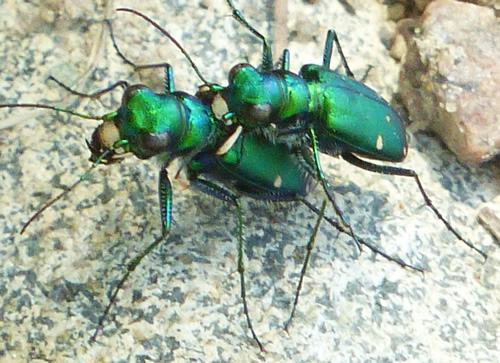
[(345, 114)]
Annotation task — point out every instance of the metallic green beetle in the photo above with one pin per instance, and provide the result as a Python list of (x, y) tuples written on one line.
[(320, 108), (346, 115), (175, 124)]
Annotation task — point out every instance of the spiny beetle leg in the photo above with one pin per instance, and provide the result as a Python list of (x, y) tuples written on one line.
[(374, 249), (327, 53), (267, 55), (165, 196), (310, 246), (164, 32), (125, 59), (94, 95), (326, 187), (285, 60), (225, 195), (391, 170)]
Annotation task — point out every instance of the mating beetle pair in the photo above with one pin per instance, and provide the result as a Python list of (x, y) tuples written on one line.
[(237, 167)]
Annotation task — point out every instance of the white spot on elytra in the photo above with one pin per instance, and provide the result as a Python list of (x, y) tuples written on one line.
[(278, 181), (380, 142)]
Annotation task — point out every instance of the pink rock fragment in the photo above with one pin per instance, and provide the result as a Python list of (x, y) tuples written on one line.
[(450, 80)]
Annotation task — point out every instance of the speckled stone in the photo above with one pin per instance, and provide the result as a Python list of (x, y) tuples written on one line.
[(183, 303)]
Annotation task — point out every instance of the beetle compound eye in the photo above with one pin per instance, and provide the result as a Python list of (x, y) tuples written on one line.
[(236, 70), (259, 113), (131, 92), (155, 143)]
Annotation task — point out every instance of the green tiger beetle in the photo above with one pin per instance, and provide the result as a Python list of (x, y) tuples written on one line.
[(174, 125), (260, 150), (318, 107)]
